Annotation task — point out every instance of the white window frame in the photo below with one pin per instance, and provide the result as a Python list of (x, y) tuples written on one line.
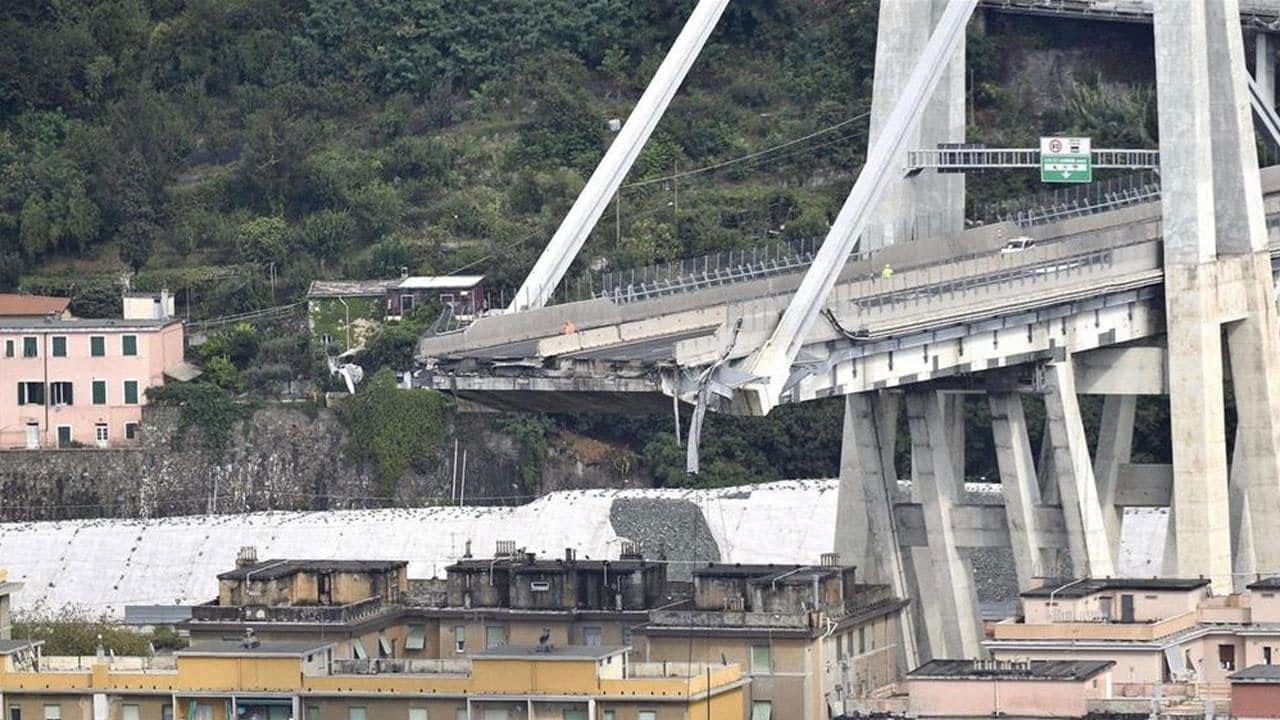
[(768, 660), (418, 713), (127, 709), (57, 711), (357, 712)]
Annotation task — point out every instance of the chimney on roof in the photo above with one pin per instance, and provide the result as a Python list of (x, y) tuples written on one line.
[(404, 271), (831, 559), (570, 555), (247, 557), (467, 552)]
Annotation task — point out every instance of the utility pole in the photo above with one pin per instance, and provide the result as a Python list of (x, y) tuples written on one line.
[(675, 196)]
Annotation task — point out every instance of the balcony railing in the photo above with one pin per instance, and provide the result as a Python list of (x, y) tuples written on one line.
[(1077, 630), (289, 613), (401, 666)]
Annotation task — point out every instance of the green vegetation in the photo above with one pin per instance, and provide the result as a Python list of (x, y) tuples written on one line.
[(72, 631), (207, 407), (235, 150), (392, 427)]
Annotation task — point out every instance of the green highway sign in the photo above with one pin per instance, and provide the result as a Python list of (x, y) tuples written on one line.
[(1065, 160)]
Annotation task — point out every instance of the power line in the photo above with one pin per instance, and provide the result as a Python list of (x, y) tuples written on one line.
[(744, 158)]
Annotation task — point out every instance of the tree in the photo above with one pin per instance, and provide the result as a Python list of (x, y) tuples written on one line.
[(327, 233), (82, 217), (34, 226), (138, 232), (263, 240)]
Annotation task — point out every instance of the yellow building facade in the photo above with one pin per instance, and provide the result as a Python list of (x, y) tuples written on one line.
[(282, 681)]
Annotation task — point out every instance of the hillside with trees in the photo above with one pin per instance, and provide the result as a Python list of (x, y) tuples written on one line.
[(239, 149)]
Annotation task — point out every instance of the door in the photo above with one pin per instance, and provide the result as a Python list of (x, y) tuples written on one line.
[(64, 436), (1104, 608), (1227, 657), (1126, 608), (33, 436)]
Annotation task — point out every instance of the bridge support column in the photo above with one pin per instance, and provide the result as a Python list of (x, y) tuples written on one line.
[(1212, 208), (1091, 553), (865, 532), (1264, 66), (902, 32), (1115, 448), (953, 408), (932, 468), (1018, 483)]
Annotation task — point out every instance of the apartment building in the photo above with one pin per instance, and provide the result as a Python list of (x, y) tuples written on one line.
[(75, 382), (1167, 633), (808, 636), (993, 688), (275, 680)]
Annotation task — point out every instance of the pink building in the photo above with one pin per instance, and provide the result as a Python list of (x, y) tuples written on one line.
[(65, 381), (987, 688)]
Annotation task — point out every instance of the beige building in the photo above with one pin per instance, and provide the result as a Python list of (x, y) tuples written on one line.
[(991, 688), (1166, 632), (807, 636)]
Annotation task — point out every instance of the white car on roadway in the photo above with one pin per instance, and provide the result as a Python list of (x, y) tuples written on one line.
[(1018, 244)]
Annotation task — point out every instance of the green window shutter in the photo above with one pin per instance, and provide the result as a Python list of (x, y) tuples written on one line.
[(35, 393), (97, 346), (99, 392), (29, 346), (59, 346), (22, 393), (8, 348), (130, 392), (129, 344)]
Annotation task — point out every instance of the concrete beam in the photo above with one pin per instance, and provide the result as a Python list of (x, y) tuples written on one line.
[(1091, 552), (1138, 370), (954, 592), (1018, 484), (1264, 66)]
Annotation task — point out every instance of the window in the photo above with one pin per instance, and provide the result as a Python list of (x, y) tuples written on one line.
[(761, 659), (384, 645), (30, 393), (840, 646), (60, 393), (1227, 657), (626, 636), (417, 714), (64, 436), (355, 712), (326, 339), (128, 344), (761, 710), (862, 640), (97, 345), (1266, 656), (417, 638), (29, 350), (130, 431), (99, 392), (128, 712), (460, 637), (591, 636), (647, 715), (568, 714), (8, 352), (130, 392), (406, 303), (495, 636), (460, 714), (52, 712), (60, 350), (312, 712), (357, 649), (15, 712), (204, 711), (166, 712), (610, 715)]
